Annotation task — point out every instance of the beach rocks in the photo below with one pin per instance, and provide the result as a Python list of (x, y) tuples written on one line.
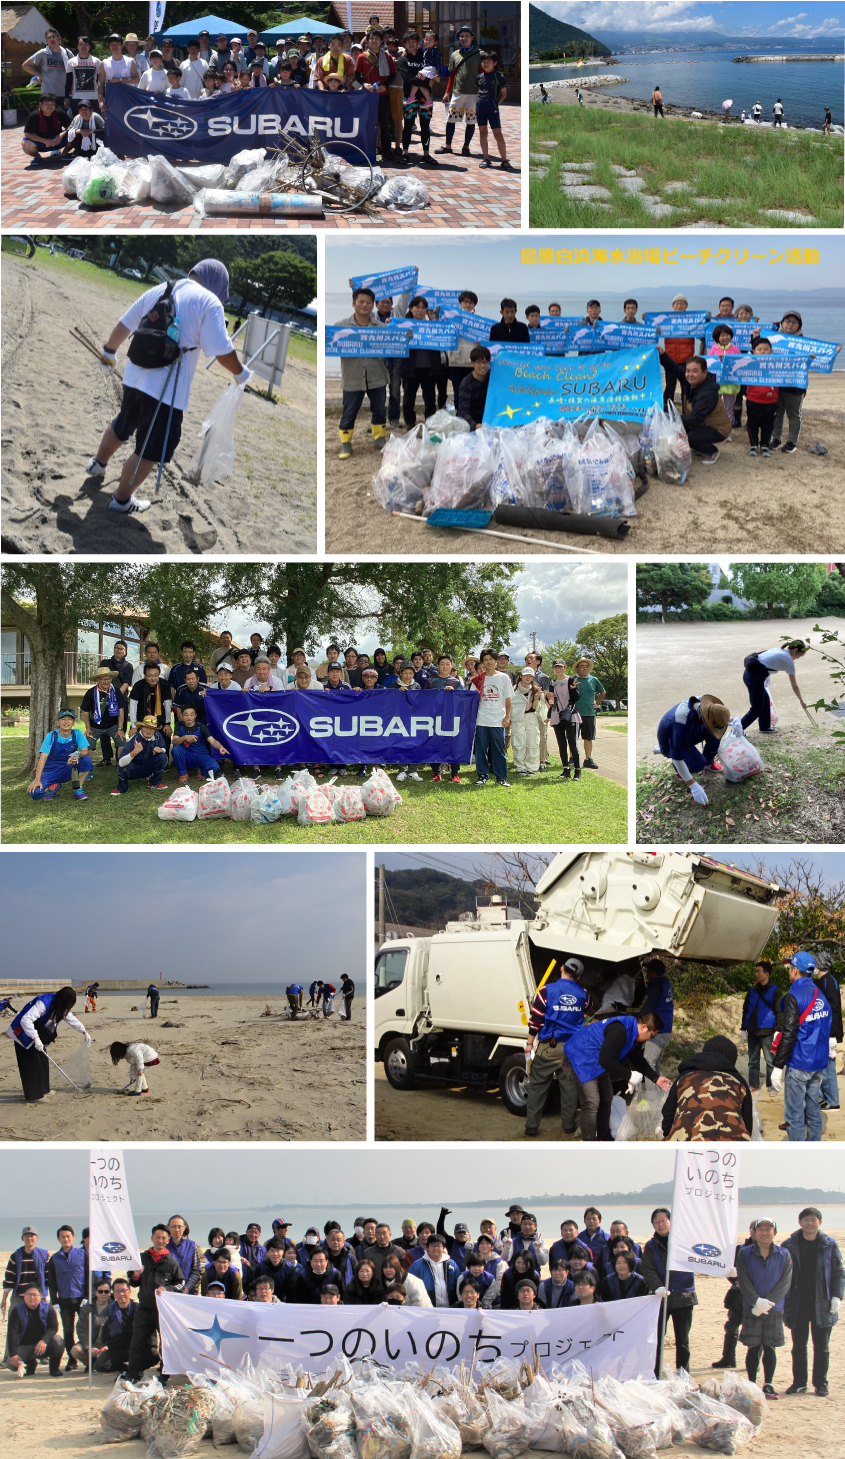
[(621, 171), (655, 207), (676, 187), (538, 157)]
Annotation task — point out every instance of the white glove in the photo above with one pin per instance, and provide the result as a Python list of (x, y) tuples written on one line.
[(661, 1292), (698, 794), (736, 726), (244, 377), (731, 1273), (761, 1307), (777, 1079), (37, 1044), (87, 1037), (636, 1078), (108, 360), (835, 1304), (831, 1048)]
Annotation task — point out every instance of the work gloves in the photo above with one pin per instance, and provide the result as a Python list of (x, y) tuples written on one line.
[(661, 1292), (244, 377), (698, 794), (761, 1307), (835, 1304), (108, 360), (831, 1048), (777, 1080), (87, 1040), (636, 1078), (37, 1044)]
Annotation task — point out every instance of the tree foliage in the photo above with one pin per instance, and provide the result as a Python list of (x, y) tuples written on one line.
[(276, 280), (606, 642), (99, 20), (672, 585), (792, 586)]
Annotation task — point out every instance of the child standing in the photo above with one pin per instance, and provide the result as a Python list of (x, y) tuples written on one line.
[(761, 403), (723, 345), (175, 88), (491, 90), (139, 1057)]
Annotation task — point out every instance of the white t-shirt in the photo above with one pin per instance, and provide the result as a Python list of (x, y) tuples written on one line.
[(192, 74), (203, 327), (273, 682), (778, 661), (153, 80), (117, 68), (180, 92), (85, 71), (495, 689)]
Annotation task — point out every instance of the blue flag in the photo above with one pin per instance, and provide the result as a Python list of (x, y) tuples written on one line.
[(680, 324), (517, 351), (764, 370), (442, 298), (555, 321), (824, 352), (469, 326), (384, 286), (368, 343), (620, 385), (610, 336), (427, 334), (344, 726), (138, 122), (741, 332)]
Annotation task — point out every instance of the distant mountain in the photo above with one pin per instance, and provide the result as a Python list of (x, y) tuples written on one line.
[(652, 40), (762, 1195), (547, 34), (423, 897)]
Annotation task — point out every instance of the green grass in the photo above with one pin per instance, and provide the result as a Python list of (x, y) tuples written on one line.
[(746, 169), (595, 810), (619, 729)]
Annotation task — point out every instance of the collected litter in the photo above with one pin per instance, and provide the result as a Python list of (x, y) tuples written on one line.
[(665, 447), (312, 802), (214, 459), (738, 757)]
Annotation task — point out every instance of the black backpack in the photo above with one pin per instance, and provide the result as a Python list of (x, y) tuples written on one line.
[(151, 346)]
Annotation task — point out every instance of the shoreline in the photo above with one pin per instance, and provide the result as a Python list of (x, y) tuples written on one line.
[(564, 94)]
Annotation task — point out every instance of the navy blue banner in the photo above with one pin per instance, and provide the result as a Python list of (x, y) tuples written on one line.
[(138, 123), (344, 726)]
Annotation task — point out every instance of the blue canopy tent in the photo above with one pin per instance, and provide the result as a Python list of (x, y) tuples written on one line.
[(214, 24), (303, 26)]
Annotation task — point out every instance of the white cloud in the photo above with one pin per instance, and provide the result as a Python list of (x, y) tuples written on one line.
[(682, 15), (556, 599)]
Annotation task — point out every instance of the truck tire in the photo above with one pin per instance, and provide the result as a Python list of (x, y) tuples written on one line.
[(513, 1084), (400, 1064)]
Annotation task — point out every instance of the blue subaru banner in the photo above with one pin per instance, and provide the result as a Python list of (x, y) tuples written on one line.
[(518, 351), (555, 321), (764, 370), (367, 344), (427, 334), (344, 726), (442, 298), (621, 385), (384, 286), (741, 332), (679, 324), (469, 326), (824, 352), (138, 123), (610, 336)]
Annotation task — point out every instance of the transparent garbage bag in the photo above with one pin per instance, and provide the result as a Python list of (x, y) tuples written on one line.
[(503, 1377), (507, 1436), (123, 1411), (203, 174), (244, 793), (167, 184), (738, 757), (288, 793), (405, 471), (314, 809), (634, 1426), (586, 1434), (382, 1421), (349, 805), (139, 180), (642, 1119), (215, 457), (178, 1419), (672, 454), (78, 169), (267, 808), (464, 473), (403, 195), (513, 483), (465, 1410), (551, 473), (433, 1434), (330, 1429), (248, 1423), (446, 423), (609, 477), (77, 1065), (181, 805), (242, 163), (648, 433), (215, 799), (546, 1431), (103, 187), (718, 1427), (740, 1393)]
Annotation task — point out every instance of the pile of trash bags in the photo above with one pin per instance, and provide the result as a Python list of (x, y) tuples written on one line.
[(299, 795), (420, 1412)]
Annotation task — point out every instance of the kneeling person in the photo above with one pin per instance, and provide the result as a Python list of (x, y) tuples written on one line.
[(33, 1335), (192, 747), (144, 756), (63, 756)]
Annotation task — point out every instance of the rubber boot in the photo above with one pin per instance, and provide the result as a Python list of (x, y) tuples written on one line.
[(728, 1358), (379, 437), (345, 445)]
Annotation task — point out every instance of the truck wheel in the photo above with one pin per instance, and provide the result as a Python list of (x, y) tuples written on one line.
[(513, 1084), (399, 1064)]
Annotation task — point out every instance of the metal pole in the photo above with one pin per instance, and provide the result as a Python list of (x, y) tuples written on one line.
[(262, 348), (381, 900), (661, 1334), (90, 1310), (213, 360), (62, 1072)]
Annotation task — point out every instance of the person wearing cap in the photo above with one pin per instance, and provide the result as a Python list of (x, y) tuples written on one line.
[(827, 984), (683, 728), (116, 67), (64, 755), (25, 1265), (103, 715), (193, 71), (709, 1099), (263, 680), (155, 77), (757, 667), (605, 1053), (298, 660), (238, 55), (462, 89), (592, 320), (591, 692), (802, 1049), (459, 1246), (249, 48), (85, 133), (259, 65), (144, 756), (527, 1241), (513, 1216), (564, 718), (764, 1276), (408, 1239), (525, 728), (674, 353), (149, 394), (243, 668), (559, 1008), (222, 53), (814, 1299), (703, 413)]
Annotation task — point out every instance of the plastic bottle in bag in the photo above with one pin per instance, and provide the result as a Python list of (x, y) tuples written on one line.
[(405, 472), (463, 475), (609, 475), (267, 808), (672, 452)]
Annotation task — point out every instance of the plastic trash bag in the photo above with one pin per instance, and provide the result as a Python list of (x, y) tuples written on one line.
[(138, 180), (242, 163), (181, 805), (215, 458), (719, 1428), (507, 1436), (634, 1427), (404, 475), (284, 1428), (167, 185), (642, 1119), (463, 475), (446, 423), (774, 717), (203, 174), (315, 809), (672, 454), (349, 805), (215, 799), (123, 1411), (267, 808), (738, 757), (80, 167), (609, 477), (102, 187), (648, 433), (77, 1065), (618, 1111), (330, 1428), (739, 1393), (243, 793), (515, 482), (377, 797), (289, 796), (433, 1434), (382, 1421), (470, 1416), (248, 1422), (551, 473), (585, 1432), (403, 195)]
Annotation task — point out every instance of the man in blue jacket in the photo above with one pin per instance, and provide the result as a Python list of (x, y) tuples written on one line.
[(759, 1021), (144, 756), (830, 1084), (34, 1334), (605, 1053), (803, 1051), (25, 1265), (557, 1012), (683, 728), (660, 999), (67, 1283), (814, 1298), (437, 1272)]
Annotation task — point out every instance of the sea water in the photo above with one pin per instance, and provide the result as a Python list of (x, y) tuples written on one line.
[(704, 79)]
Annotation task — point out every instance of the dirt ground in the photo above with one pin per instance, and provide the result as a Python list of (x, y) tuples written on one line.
[(222, 1076), (739, 505), (40, 1416), (56, 403)]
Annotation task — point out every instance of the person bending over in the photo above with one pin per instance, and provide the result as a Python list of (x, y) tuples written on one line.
[(139, 1057)]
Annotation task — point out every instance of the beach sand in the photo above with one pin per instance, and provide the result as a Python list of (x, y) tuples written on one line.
[(221, 1077), (57, 402), (739, 505), (41, 1416), (606, 100)]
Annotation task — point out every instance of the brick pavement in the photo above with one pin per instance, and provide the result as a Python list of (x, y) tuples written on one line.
[(463, 195)]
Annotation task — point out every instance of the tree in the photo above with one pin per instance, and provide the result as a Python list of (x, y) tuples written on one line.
[(831, 597), (606, 642), (672, 585), (789, 587), (811, 912), (278, 280), (562, 648)]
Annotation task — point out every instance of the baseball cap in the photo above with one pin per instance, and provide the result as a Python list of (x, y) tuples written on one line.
[(66, 714), (298, 651), (461, 1229), (804, 962), (28, 1231), (280, 1221), (225, 666), (558, 663)]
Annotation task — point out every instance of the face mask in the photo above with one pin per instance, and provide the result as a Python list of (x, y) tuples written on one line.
[(311, 1241), (359, 1231)]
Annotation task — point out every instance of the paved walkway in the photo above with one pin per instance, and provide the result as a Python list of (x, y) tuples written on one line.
[(463, 195)]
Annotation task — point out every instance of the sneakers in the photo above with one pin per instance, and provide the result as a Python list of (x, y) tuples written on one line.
[(821, 1392), (796, 1388), (116, 791), (774, 443), (183, 779), (710, 460), (434, 777), (770, 1390), (483, 781), (577, 774), (133, 505), (403, 774), (412, 775), (95, 468), (788, 448), (772, 731), (754, 451), (79, 793), (564, 774), (764, 451), (505, 784), (456, 780), (156, 785), (51, 792), (590, 763)]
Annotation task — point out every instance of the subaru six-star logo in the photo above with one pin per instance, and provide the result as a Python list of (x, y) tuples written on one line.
[(704, 1250), (260, 727), (114, 1248), (159, 121)]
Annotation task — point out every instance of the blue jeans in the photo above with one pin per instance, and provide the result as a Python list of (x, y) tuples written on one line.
[(194, 757), (490, 745), (757, 1043), (137, 772), (830, 1084), (58, 772), (801, 1093), (760, 703), (354, 399)]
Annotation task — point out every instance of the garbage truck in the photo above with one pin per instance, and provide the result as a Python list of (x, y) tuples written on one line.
[(453, 1007)]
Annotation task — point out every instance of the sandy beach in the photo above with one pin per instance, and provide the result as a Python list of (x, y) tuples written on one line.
[(602, 96), (782, 504), (226, 1073), (41, 1416), (56, 403)]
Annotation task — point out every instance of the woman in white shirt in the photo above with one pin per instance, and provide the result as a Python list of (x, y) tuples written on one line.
[(525, 726), (139, 1057), (155, 77), (757, 668)]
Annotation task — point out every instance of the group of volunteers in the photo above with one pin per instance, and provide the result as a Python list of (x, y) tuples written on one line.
[(703, 720), (321, 994), (72, 101), (597, 1049), (797, 1283), (149, 715)]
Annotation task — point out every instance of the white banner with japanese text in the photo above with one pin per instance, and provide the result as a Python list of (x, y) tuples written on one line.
[(112, 1239), (705, 1211)]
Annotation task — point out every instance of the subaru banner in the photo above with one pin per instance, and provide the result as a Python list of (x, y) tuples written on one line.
[(367, 344)]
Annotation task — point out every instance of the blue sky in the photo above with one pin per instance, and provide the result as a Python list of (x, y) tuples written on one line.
[(830, 865), (494, 264), (805, 21), (203, 1180), (202, 909)]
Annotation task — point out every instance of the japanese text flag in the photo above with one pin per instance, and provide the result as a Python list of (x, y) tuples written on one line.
[(705, 1212), (112, 1239)]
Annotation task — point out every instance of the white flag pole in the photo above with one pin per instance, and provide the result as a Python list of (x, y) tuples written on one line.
[(157, 9), (349, 16), (111, 1229), (705, 1211)]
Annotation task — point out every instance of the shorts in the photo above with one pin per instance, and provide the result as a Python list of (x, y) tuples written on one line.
[(462, 108), (487, 113), (42, 146), (588, 726), (136, 411), (397, 103)]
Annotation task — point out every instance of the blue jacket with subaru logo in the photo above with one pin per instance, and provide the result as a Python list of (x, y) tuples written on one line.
[(759, 1008), (804, 1045), (584, 1047), (566, 1003), (769, 1278), (660, 998)]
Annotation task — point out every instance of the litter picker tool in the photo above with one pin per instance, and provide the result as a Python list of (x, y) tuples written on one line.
[(814, 722), (169, 418), (444, 517), (153, 421), (83, 339), (62, 1072)]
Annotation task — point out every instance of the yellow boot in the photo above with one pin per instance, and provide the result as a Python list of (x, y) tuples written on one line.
[(345, 445), (379, 437)]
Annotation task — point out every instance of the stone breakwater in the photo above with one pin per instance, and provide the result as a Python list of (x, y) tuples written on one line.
[(573, 83), (744, 60)]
